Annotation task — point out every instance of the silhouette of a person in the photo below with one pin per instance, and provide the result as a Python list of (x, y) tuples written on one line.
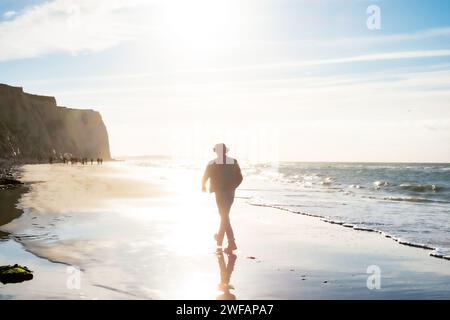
[(226, 269), (225, 176)]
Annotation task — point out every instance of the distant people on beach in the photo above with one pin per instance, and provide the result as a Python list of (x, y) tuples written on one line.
[(224, 175), (75, 160)]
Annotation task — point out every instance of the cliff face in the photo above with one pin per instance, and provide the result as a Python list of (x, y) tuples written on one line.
[(34, 128)]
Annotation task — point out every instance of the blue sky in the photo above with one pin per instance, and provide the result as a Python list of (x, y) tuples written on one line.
[(190, 72)]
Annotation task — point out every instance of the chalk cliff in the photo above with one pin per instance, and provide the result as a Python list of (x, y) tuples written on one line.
[(34, 128)]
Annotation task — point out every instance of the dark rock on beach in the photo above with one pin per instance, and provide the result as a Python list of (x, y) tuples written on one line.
[(6, 183), (15, 274)]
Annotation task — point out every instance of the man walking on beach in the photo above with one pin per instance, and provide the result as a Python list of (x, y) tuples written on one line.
[(225, 176)]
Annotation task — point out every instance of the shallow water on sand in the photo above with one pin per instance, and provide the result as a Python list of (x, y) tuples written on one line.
[(123, 232)]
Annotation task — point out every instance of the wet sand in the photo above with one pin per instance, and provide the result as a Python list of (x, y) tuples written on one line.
[(8, 201), (135, 235)]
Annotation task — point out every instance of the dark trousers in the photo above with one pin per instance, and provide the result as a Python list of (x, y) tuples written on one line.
[(224, 200)]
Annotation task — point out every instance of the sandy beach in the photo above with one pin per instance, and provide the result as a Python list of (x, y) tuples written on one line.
[(135, 235)]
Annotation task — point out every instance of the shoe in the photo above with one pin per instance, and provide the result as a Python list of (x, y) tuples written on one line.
[(216, 237), (231, 247)]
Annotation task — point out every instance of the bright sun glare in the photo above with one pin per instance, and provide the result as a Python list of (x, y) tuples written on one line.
[(200, 25)]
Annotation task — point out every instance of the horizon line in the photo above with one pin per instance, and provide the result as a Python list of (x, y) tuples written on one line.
[(123, 157)]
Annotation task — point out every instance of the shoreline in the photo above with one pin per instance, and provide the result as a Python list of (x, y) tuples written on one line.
[(354, 227)]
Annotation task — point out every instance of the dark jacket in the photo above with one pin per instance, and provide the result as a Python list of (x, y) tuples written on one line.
[(223, 177)]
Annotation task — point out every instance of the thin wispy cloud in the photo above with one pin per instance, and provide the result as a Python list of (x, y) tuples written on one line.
[(72, 26), (66, 26), (9, 14), (400, 83), (282, 65), (372, 40), (384, 56)]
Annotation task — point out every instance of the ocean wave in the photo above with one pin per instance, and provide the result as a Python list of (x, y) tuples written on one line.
[(328, 181), (421, 187), (408, 199), (439, 253), (415, 199), (380, 184)]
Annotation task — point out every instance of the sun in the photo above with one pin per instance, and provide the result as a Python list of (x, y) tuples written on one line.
[(200, 25)]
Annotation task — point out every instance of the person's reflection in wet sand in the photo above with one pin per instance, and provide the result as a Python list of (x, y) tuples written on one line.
[(226, 269)]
